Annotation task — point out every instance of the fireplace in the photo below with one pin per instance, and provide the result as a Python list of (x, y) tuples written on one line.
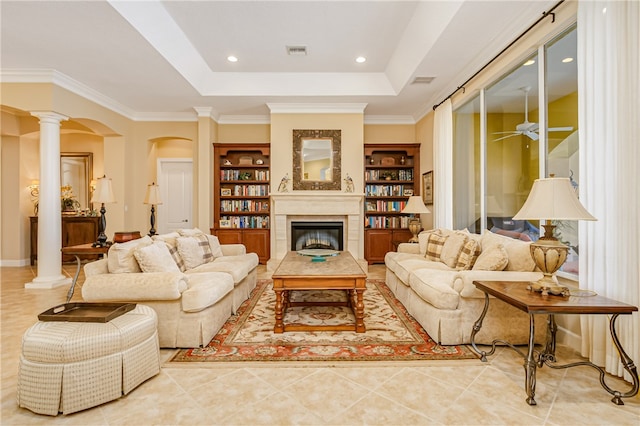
[(317, 235)]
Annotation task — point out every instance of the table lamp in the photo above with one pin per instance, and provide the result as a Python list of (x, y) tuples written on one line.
[(551, 199), (103, 194), (153, 198), (415, 206)]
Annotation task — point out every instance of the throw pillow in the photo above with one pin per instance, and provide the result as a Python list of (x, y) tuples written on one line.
[(468, 255), (493, 258), (194, 251), (423, 240), (434, 246), (155, 258), (216, 248), (452, 248), (170, 240), (518, 251), (120, 258), (190, 232)]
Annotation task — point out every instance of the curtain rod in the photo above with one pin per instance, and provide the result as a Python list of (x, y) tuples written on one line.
[(544, 15)]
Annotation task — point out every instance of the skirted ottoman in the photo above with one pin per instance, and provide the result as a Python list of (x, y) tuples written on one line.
[(71, 366)]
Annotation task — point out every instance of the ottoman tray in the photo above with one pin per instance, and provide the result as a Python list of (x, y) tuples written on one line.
[(86, 312)]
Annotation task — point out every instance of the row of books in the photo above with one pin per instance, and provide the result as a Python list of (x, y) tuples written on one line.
[(245, 190), (385, 222), (402, 174), (388, 190), (244, 175), (385, 206), (244, 222), (229, 206)]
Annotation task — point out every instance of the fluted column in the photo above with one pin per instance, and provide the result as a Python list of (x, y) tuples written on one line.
[(49, 211)]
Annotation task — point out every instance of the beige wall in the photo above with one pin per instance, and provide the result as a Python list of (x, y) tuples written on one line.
[(389, 133), (351, 125), (424, 136), (239, 133)]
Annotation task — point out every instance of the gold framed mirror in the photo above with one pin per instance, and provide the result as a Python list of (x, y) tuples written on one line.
[(76, 171), (317, 159)]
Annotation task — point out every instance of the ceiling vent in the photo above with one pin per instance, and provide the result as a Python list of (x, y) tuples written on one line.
[(297, 50), (422, 80)]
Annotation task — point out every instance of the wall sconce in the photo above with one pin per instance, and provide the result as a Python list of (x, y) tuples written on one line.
[(153, 198)]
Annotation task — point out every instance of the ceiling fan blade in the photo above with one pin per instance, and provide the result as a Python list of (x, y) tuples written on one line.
[(561, 129), (509, 132), (509, 136), (532, 135)]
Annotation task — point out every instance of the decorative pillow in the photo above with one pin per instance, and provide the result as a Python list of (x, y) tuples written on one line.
[(194, 250), (452, 248), (190, 232), (171, 240), (423, 240), (493, 258), (155, 258), (518, 251), (120, 258), (214, 243), (468, 255), (434, 246)]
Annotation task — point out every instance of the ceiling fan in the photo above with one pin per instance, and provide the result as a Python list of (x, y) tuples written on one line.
[(527, 128)]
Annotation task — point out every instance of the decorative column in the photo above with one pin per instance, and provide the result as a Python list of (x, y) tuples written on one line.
[(49, 211)]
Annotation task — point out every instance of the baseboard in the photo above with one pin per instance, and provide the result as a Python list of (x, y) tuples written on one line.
[(14, 263), (568, 338)]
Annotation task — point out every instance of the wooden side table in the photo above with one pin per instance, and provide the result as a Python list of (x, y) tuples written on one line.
[(78, 251), (517, 295)]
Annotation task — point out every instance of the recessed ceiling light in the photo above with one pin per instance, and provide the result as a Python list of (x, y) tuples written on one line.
[(529, 62), (567, 60), (232, 58), (361, 59)]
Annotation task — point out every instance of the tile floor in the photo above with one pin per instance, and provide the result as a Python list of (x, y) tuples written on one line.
[(439, 392)]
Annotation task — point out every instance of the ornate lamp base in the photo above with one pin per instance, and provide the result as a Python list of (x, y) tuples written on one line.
[(414, 227), (549, 255)]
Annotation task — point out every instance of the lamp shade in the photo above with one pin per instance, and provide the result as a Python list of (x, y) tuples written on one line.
[(415, 205), (153, 195), (553, 199), (104, 191)]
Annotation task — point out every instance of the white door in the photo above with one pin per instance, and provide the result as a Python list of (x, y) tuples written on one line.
[(175, 177)]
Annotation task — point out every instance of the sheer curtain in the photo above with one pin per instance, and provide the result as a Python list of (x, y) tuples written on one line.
[(442, 166), (609, 116)]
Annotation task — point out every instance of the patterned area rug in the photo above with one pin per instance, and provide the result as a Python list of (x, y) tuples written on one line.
[(391, 335)]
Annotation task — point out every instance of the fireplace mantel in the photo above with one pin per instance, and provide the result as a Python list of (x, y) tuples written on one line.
[(310, 206)]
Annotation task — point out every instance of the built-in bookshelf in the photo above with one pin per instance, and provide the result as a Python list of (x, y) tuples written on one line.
[(241, 196), (391, 177)]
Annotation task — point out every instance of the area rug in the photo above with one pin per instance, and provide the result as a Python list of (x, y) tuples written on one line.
[(391, 333)]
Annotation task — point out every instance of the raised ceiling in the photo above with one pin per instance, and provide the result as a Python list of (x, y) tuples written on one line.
[(161, 59)]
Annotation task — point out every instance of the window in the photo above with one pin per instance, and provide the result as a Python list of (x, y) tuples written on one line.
[(512, 133)]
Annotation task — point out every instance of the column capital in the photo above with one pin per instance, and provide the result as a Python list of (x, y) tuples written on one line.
[(207, 112), (49, 116)]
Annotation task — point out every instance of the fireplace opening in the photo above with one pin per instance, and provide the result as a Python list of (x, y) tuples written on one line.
[(316, 235)]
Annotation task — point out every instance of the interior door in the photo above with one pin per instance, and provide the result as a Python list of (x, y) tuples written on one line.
[(175, 177)]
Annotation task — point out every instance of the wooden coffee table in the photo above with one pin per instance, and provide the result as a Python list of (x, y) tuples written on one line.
[(340, 272)]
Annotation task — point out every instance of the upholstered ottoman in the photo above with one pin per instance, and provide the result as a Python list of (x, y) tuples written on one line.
[(70, 366)]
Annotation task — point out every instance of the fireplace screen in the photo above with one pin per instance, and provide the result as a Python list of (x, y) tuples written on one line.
[(316, 235)]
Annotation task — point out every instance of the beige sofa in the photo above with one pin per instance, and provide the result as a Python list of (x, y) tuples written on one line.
[(434, 281), (192, 282)]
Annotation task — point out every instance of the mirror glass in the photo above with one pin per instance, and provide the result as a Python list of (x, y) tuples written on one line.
[(76, 171), (316, 159)]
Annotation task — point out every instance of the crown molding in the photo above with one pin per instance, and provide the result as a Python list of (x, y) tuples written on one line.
[(165, 116), (244, 119), (389, 119), (317, 108)]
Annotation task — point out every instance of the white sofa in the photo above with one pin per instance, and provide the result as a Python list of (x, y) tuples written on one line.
[(434, 281), (192, 282)]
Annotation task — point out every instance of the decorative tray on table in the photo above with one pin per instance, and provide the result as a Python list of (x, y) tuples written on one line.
[(318, 255), (86, 312)]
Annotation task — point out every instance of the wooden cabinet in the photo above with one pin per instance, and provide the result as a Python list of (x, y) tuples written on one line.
[(75, 230), (241, 196), (392, 174)]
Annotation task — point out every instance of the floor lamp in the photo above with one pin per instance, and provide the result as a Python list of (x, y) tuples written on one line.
[(551, 199), (415, 206), (103, 194), (153, 198)]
